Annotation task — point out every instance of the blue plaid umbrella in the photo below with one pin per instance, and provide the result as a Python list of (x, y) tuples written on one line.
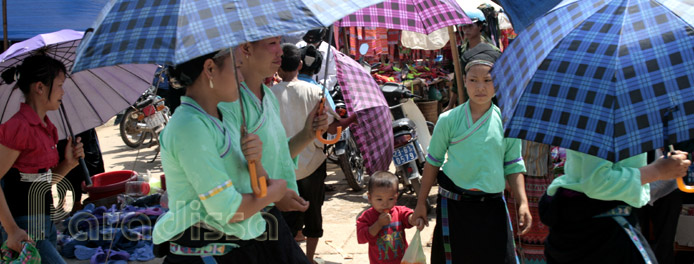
[(174, 31), (599, 76)]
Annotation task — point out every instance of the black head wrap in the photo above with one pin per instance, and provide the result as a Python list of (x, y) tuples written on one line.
[(481, 52)]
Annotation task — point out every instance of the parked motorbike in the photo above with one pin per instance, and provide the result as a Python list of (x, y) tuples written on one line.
[(144, 120), (345, 153), (408, 154)]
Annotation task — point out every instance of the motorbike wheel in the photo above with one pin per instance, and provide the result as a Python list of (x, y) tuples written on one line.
[(128, 130), (352, 166), (331, 156)]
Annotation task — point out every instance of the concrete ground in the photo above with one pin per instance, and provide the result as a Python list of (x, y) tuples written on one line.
[(340, 209)]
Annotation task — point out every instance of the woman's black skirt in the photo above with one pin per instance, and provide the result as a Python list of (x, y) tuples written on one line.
[(577, 236), (473, 229), (263, 249)]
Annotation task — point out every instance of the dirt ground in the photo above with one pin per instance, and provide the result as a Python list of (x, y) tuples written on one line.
[(340, 209)]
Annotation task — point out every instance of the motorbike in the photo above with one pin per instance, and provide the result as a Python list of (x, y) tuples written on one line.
[(409, 152), (345, 153), (144, 120)]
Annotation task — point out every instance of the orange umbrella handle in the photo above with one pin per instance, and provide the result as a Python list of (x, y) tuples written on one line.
[(259, 185), (319, 133), (683, 187)]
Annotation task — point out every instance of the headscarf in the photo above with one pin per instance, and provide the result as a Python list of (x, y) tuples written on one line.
[(483, 53)]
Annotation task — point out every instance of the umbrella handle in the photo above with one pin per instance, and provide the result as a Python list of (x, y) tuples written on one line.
[(680, 181), (319, 133), (683, 187), (259, 185), (85, 171)]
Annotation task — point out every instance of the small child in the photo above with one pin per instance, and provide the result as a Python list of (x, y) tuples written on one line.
[(383, 225)]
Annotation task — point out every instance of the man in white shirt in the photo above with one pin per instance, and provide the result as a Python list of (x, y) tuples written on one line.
[(296, 99)]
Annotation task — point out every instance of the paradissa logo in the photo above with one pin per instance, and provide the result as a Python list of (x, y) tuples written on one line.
[(85, 226), (39, 188)]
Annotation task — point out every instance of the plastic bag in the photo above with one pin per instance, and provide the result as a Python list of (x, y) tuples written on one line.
[(415, 252), (434, 94), (29, 254)]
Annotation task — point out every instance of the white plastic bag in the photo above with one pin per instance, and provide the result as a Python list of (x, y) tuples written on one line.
[(435, 40), (415, 252)]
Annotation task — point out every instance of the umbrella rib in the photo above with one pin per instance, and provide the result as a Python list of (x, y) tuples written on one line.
[(421, 19), (138, 76), (4, 108), (86, 99), (614, 76), (105, 83)]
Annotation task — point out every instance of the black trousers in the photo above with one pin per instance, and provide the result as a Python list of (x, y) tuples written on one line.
[(312, 189)]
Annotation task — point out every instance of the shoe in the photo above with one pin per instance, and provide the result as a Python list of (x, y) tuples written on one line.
[(83, 252), (69, 244), (109, 257), (152, 211), (144, 253)]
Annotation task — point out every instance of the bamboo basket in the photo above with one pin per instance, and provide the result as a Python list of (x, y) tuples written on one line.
[(430, 110)]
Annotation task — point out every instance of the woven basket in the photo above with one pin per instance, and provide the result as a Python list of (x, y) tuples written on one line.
[(430, 110)]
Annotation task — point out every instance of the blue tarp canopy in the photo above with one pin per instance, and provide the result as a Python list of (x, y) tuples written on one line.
[(28, 18)]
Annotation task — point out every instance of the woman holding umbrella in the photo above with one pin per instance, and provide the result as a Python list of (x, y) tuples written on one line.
[(29, 158), (259, 60), (589, 209), (214, 215)]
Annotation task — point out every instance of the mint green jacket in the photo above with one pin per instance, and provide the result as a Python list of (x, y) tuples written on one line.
[(263, 119), (603, 180), (206, 173), (479, 157)]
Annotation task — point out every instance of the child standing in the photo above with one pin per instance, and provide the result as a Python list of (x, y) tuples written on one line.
[(472, 222), (383, 225)]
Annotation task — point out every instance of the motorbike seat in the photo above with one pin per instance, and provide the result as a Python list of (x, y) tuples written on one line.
[(403, 123)]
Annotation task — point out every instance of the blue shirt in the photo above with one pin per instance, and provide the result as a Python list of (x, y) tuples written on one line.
[(328, 97)]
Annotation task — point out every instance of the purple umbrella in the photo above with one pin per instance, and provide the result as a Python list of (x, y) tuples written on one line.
[(363, 97), (91, 97), (423, 16)]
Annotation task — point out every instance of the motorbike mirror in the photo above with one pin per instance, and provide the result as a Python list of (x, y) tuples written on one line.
[(363, 48)]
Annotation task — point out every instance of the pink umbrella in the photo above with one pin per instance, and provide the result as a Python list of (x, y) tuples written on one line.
[(423, 16), (373, 129)]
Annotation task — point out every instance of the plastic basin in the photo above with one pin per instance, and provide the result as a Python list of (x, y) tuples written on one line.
[(109, 183)]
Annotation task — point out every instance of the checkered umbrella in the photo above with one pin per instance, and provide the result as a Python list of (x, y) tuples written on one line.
[(598, 76), (423, 16), (174, 31), (373, 130)]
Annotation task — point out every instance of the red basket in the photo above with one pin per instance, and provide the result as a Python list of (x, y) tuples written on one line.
[(109, 183)]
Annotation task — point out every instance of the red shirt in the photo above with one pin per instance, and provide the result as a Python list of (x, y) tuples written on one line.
[(35, 142), (390, 244)]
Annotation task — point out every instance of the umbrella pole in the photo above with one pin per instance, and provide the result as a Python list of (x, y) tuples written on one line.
[(5, 42), (319, 133), (258, 184), (456, 65), (85, 170)]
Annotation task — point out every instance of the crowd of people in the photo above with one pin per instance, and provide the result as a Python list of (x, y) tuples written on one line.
[(214, 215)]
